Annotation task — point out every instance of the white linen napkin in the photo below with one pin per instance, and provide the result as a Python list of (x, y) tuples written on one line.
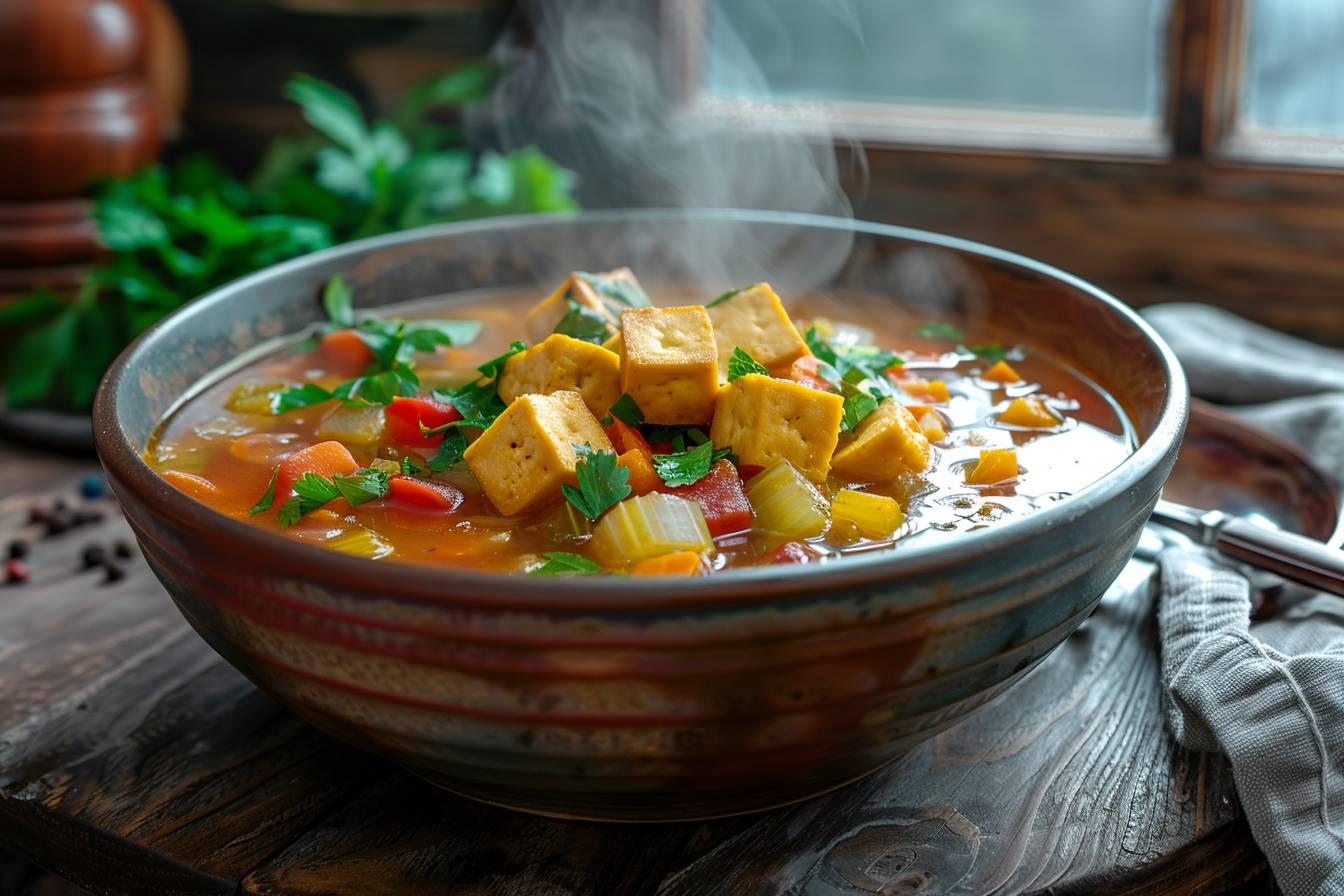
[(1269, 695)]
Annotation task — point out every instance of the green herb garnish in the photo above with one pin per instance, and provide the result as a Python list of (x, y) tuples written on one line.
[(625, 410), (564, 563), (853, 368), (478, 402), (626, 292), (740, 364), (993, 352), (450, 452), (584, 324), (602, 482), (689, 466), (938, 330), (312, 491), (724, 296), (338, 301), (857, 407), (410, 466), (268, 498)]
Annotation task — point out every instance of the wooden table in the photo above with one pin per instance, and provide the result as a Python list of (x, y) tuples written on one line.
[(134, 760)]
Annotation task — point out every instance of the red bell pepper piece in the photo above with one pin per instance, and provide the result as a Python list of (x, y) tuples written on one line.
[(720, 497), (404, 415), (418, 495)]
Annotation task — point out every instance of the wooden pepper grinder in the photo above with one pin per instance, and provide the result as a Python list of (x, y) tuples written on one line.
[(75, 105)]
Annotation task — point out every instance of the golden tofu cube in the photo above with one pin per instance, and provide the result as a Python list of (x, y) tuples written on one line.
[(766, 420), (669, 364), (542, 320), (563, 364), (529, 451), (886, 443), (755, 321)]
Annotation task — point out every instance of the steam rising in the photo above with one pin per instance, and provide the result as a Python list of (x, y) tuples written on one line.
[(597, 90)]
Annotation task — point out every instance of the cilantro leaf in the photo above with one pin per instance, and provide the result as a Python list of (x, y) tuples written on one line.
[(564, 563), (627, 411), (602, 482), (426, 335), (268, 498), (624, 290), (723, 297), (379, 388), (338, 302), (740, 364), (857, 407), (690, 466), (584, 324), (938, 330), (299, 397), (450, 452), (362, 485), (312, 491), (993, 352), (852, 368)]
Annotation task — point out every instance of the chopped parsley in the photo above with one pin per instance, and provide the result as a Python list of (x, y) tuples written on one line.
[(993, 352), (268, 498), (450, 452), (312, 491), (625, 410), (338, 302), (857, 407), (724, 296), (584, 324), (602, 482), (410, 466), (565, 563), (740, 364), (938, 330), (678, 435), (689, 466), (853, 368), (478, 401), (625, 290)]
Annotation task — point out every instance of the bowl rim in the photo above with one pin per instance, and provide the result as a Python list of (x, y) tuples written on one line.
[(127, 468)]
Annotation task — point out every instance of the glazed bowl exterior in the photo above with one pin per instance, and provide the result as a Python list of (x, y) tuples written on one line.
[(666, 698)]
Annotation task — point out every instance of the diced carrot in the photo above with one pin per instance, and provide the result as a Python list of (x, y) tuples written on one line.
[(625, 437), (639, 462), (805, 371), (995, 465), (406, 493), (677, 563), (198, 487), (404, 415), (325, 459), (1031, 412), (794, 552), (1001, 372), (925, 390), (345, 351), (725, 506)]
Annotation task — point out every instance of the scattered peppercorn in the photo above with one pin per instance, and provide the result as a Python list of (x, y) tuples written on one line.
[(112, 573), (17, 550), (92, 555), (86, 517), (38, 514), (122, 550), (58, 523), (59, 506), (92, 487), (16, 571)]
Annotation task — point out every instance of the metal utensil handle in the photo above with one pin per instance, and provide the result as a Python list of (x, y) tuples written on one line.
[(1295, 557)]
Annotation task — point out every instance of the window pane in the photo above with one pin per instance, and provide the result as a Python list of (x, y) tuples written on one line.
[(1295, 66), (1100, 57)]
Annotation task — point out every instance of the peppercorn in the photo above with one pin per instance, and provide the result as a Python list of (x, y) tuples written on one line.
[(92, 555), (86, 517), (17, 550), (113, 573), (122, 550), (58, 523), (16, 571)]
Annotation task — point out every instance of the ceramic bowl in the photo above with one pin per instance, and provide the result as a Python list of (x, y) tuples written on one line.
[(666, 699)]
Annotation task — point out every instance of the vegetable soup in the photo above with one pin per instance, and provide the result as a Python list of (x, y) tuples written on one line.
[(596, 432)]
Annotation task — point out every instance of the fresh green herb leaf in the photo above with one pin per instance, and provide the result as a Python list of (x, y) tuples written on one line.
[(495, 366), (362, 486), (740, 364), (602, 482), (450, 452), (478, 402), (410, 467), (427, 335), (331, 111), (564, 563), (268, 498), (299, 397), (312, 491), (853, 368), (993, 352), (378, 388), (468, 84), (625, 292), (627, 411), (938, 330), (584, 324), (857, 407), (338, 301), (689, 466), (723, 297), (292, 511)]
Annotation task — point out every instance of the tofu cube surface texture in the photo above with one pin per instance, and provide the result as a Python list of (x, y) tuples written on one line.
[(766, 420), (530, 450), (886, 443), (541, 321), (755, 321), (563, 364), (669, 363)]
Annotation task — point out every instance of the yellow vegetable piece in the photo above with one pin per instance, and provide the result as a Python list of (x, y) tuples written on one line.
[(529, 451), (561, 363), (755, 321), (352, 425), (253, 397), (679, 563), (390, 467), (1030, 412), (767, 420), (786, 503), (931, 424), (360, 542), (647, 526), (996, 465), (875, 516), (669, 363), (1001, 373), (887, 443)]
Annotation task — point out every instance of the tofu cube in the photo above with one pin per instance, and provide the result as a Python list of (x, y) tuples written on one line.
[(755, 321), (529, 451), (886, 443), (669, 364), (766, 420), (541, 321), (563, 364)]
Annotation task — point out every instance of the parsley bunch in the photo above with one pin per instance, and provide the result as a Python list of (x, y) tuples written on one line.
[(858, 371), (174, 233), (312, 491)]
